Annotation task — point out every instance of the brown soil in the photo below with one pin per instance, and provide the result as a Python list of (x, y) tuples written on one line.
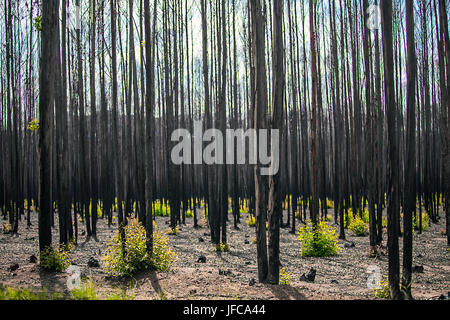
[(340, 277)]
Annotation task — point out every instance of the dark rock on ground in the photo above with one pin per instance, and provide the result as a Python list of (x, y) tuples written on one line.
[(32, 259), (13, 267), (349, 244), (310, 276), (201, 239), (201, 259), (417, 269), (252, 282), (444, 297), (93, 263)]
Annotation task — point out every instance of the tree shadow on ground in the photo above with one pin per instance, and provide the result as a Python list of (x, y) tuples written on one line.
[(52, 282), (155, 281), (148, 275), (286, 292)]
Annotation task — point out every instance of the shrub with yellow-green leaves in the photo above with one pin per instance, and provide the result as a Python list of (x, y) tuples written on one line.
[(425, 222), (358, 227), (222, 247), (189, 214), (120, 262), (250, 221), (161, 209), (383, 292), (54, 259), (285, 277), (318, 241)]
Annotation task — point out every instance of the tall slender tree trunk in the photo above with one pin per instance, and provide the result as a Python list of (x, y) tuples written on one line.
[(275, 208), (393, 209), (259, 110), (50, 14), (409, 203)]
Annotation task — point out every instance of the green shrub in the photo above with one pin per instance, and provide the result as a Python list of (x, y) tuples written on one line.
[(425, 222), (222, 247), (161, 209), (250, 221), (358, 227), (55, 259), (6, 228), (365, 216), (118, 264), (384, 222), (320, 241), (383, 292), (33, 125), (348, 218), (189, 214), (285, 277), (99, 209), (330, 203), (38, 23)]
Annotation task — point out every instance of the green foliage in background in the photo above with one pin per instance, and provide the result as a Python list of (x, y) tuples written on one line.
[(320, 241)]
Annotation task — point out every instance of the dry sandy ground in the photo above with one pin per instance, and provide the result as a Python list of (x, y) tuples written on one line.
[(343, 276)]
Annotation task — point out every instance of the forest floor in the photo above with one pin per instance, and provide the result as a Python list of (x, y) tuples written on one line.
[(343, 276)]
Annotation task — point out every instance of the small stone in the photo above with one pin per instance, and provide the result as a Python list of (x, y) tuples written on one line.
[(252, 282), (201, 239), (248, 262), (206, 234), (191, 292), (201, 259), (93, 263), (13, 267), (350, 244), (33, 259), (310, 276), (334, 281), (247, 242), (417, 269)]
